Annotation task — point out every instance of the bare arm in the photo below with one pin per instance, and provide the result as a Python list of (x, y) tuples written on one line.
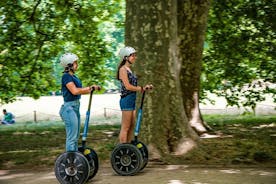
[(77, 91), (124, 78)]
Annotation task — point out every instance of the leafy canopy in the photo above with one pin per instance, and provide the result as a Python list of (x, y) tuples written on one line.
[(239, 59), (35, 33)]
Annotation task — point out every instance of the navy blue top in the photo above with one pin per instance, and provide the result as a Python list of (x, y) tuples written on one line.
[(132, 80), (67, 95)]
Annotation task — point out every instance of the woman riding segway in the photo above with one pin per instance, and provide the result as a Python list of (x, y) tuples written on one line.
[(130, 156), (66, 167), (128, 93)]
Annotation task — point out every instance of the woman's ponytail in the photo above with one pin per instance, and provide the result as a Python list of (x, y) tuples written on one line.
[(120, 65)]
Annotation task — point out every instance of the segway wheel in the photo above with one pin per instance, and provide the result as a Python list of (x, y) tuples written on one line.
[(126, 159), (93, 160), (72, 168), (145, 153)]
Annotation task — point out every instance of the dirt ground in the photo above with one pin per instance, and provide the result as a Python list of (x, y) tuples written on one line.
[(155, 174)]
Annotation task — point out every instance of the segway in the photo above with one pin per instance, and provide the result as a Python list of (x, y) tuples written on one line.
[(130, 158), (81, 166)]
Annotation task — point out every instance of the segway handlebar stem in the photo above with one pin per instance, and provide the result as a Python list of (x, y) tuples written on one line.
[(87, 118), (140, 113), (138, 122)]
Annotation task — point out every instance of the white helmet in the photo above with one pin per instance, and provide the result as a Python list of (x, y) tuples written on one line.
[(68, 58), (126, 51)]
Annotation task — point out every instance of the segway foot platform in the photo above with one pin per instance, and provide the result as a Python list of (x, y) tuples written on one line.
[(72, 168)]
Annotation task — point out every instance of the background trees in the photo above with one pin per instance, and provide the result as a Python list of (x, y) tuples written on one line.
[(239, 58), (35, 33)]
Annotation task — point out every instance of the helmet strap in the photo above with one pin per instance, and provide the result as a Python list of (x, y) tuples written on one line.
[(129, 62), (126, 58)]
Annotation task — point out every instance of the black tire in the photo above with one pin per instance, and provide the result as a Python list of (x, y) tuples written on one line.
[(145, 153), (93, 160), (126, 159), (72, 168)]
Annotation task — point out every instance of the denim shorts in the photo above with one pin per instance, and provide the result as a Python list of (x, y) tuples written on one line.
[(127, 103)]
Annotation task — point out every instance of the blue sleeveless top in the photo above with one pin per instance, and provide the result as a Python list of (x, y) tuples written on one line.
[(132, 80)]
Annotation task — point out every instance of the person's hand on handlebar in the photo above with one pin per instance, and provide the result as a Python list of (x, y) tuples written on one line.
[(95, 87), (147, 87)]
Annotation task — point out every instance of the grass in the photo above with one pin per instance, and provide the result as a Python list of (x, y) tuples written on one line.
[(248, 140), (222, 120)]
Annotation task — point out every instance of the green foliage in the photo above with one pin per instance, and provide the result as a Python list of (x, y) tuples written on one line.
[(239, 59), (113, 32), (35, 33)]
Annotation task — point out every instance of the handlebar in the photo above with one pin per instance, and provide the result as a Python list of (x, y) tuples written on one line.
[(98, 88), (151, 87)]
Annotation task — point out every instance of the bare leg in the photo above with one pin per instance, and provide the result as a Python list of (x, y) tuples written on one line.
[(131, 128), (125, 126)]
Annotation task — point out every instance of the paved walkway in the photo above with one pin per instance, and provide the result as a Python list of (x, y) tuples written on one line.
[(170, 174)]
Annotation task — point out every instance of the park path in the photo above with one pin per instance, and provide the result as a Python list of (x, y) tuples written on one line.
[(155, 174)]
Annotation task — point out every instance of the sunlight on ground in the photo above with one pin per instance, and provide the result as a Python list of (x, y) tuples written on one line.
[(262, 173), (180, 182), (254, 172), (231, 171), (172, 167), (211, 136), (265, 126), (175, 182), (20, 151), (49, 176), (4, 175)]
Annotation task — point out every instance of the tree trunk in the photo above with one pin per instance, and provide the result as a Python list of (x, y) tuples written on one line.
[(192, 19), (152, 29)]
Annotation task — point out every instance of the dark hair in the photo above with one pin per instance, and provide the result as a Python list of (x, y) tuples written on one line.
[(68, 68), (120, 65)]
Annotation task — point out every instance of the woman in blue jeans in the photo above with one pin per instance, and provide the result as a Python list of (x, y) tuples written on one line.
[(129, 88), (72, 90)]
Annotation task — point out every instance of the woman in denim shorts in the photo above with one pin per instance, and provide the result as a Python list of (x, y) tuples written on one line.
[(72, 90), (129, 88)]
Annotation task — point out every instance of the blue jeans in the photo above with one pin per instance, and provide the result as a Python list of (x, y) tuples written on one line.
[(70, 114), (4, 122)]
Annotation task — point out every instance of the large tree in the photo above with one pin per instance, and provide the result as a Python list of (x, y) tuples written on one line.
[(192, 22), (168, 36)]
